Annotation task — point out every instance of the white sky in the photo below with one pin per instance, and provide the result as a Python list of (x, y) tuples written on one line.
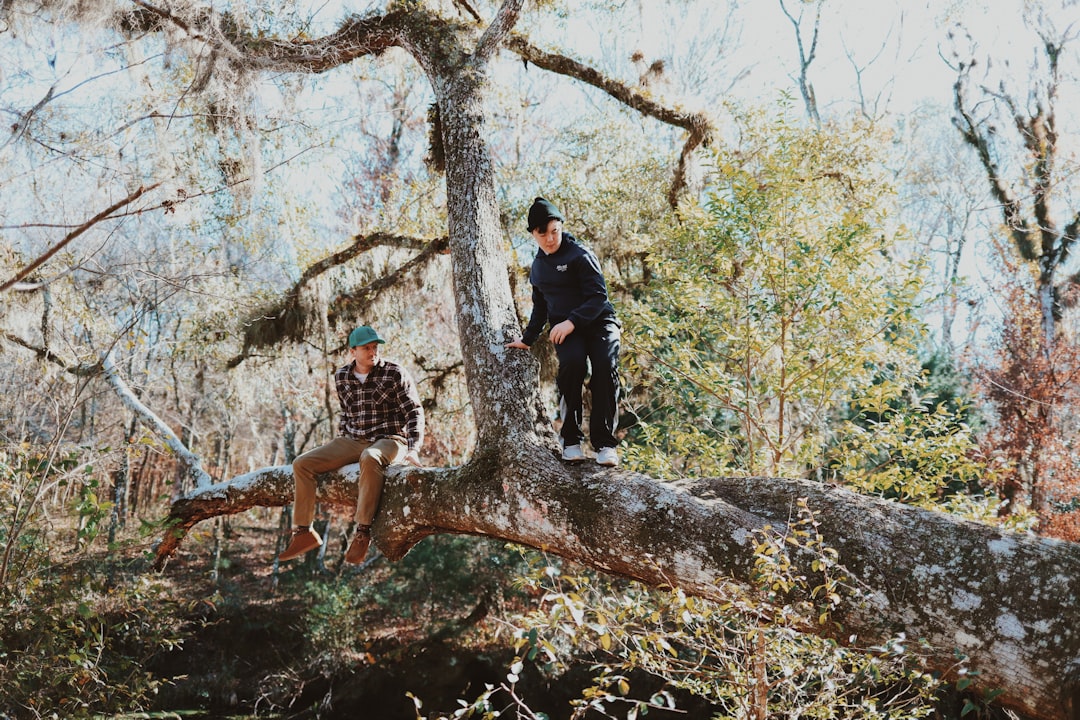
[(897, 44)]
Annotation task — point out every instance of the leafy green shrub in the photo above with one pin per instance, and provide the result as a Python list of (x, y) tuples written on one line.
[(772, 304), (78, 633), (76, 647), (920, 454), (447, 573), (748, 655), (334, 619), (442, 580)]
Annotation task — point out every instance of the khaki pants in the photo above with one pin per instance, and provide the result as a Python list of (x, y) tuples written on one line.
[(339, 452)]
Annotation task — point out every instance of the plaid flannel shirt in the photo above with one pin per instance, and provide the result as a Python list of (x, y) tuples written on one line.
[(386, 404)]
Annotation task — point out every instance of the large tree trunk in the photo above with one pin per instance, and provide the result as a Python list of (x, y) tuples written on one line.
[(502, 383), (1009, 602)]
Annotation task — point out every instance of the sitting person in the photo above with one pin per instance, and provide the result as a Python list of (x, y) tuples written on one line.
[(381, 421)]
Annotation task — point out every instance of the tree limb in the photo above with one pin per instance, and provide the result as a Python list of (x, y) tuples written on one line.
[(357, 37), (27, 286), (360, 36), (19, 129), (103, 215), (107, 367), (1069, 236), (287, 320), (504, 21), (190, 461), (806, 59), (1039, 138), (353, 302), (48, 355), (697, 124), (464, 4), (1011, 208), (1008, 602)]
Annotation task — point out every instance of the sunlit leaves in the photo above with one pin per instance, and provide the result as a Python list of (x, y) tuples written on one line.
[(919, 454), (776, 301), (747, 656)]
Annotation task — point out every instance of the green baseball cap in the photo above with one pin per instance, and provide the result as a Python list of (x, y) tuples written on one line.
[(363, 335)]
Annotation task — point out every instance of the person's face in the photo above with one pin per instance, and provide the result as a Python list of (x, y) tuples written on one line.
[(550, 237), (365, 356)]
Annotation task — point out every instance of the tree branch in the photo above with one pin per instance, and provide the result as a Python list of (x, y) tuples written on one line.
[(503, 23), (352, 303), (464, 4), (697, 124), (287, 320), (360, 36), (103, 215), (107, 367), (1011, 209), (48, 355), (190, 461), (357, 37), (957, 586), (1069, 236), (806, 59), (19, 129)]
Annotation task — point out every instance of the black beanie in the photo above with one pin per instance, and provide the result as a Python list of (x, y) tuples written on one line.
[(542, 211)]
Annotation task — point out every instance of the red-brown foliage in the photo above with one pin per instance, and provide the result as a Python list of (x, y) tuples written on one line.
[(1034, 392)]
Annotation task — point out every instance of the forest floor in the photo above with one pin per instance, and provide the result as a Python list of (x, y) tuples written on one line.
[(335, 641)]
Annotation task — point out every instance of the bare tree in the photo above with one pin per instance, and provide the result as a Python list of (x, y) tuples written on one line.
[(990, 117), (1015, 132), (807, 53)]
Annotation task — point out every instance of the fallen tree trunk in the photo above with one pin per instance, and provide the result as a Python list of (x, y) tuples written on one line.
[(1009, 602)]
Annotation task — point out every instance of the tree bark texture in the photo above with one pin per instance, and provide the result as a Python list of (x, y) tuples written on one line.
[(501, 381), (1009, 602)]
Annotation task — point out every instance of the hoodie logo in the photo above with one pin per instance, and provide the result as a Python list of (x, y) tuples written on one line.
[(561, 268)]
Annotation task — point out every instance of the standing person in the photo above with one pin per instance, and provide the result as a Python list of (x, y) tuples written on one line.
[(570, 293), (381, 420)]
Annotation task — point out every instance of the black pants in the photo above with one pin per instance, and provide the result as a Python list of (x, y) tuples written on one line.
[(598, 346)]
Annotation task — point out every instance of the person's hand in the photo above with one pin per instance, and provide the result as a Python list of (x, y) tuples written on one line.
[(517, 344), (560, 331), (412, 458)]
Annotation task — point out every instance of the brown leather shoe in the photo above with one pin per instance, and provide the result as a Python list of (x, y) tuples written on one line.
[(358, 547), (303, 540)]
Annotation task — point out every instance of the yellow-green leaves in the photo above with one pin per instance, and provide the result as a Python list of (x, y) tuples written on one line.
[(775, 303), (746, 654)]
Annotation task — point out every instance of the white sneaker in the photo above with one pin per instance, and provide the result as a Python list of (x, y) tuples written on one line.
[(608, 456), (573, 453)]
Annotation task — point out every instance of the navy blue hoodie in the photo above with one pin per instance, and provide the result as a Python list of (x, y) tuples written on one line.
[(567, 284)]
